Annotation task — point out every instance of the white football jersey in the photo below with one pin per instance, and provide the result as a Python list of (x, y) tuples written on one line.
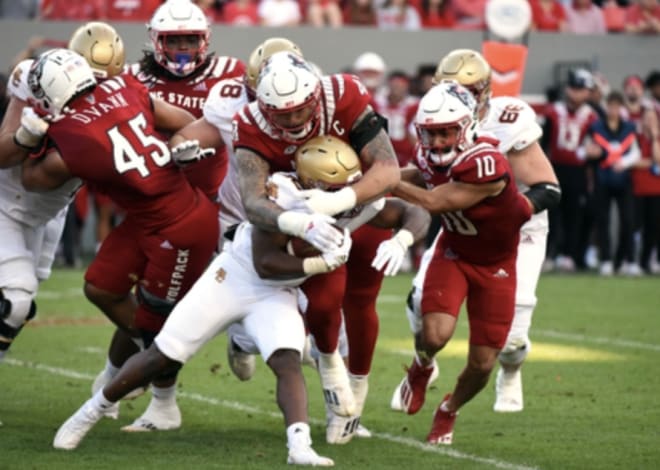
[(33, 209), (513, 122), (219, 109)]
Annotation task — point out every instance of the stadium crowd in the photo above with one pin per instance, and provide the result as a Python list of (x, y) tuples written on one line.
[(577, 16), (263, 197)]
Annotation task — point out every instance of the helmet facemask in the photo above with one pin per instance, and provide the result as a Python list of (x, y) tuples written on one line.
[(181, 52), (289, 97)]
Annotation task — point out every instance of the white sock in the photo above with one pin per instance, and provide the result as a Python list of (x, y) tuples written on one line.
[(164, 395), (110, 369), (99, 402), (297, 435)]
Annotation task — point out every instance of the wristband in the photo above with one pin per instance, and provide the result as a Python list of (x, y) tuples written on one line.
[(314, 265), (405, 238)]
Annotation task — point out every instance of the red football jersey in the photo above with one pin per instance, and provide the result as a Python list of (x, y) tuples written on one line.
[(568, 128), (399, 119), (190, 93), (108, 140), (343, 100), (488, 231)]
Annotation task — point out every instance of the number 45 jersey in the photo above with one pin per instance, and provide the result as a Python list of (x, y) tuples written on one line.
[(488, 231), (107, 139)]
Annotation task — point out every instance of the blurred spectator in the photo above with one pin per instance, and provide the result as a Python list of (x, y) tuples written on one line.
[(646, 176), (398, 14), (19, 9), (240, 13), (437, 14), (643, 17), (321, 13), (399, 107), (583, 17), (130, 10), (598, 93), (423, 81), (615, 16), (370, 68), (469, 13), (548, 15), (74, 10), (212, 9), (565, 126), (613, 143), (359, 13), (277, 13)]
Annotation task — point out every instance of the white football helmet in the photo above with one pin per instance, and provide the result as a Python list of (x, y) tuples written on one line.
[(447, 105), (179, 18), (289, 96), (56, 77)]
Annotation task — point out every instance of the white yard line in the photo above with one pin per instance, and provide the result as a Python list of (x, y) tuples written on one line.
[(72, 292), (238, 406), (596, 339)]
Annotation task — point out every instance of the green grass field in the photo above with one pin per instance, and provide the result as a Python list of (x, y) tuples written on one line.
[(591, 385)]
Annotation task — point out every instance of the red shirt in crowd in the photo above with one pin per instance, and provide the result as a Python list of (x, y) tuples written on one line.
[(545, 19)]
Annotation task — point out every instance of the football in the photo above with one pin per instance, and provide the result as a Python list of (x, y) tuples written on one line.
[(302, 249)]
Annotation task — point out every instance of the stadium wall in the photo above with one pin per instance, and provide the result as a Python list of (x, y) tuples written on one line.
[(615, 56)]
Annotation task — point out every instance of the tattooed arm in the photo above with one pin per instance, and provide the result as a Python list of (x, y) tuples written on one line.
[(253, 174), (378, 156)]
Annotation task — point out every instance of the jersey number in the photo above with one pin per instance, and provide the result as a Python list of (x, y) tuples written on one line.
[(485, 166), (510, 113), (457, 222), (231, 91), (126, 157)]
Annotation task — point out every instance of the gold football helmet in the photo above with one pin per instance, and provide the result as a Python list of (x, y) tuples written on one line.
[(327, 163), (261, 53), (101, 46), (470, 69)]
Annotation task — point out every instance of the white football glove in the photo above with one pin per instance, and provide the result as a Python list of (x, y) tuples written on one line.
[(335, 258), (315, 229), (330, 203), (189, 151), (32, 130), (392, 252), (329, 260)]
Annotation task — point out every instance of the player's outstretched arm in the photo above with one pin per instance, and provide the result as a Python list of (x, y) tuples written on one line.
[(168, 117), (45, 174), (531, 166), (448, 197), (11, 154), (413, 175), (201, 130)]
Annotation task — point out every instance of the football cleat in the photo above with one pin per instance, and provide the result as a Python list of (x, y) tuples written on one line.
[(75, 428), (336, 386), (305, 455), (341, 429), (362, 432), (410, 394), (157, 417), (241, 363), (508, 392), (442, 430)]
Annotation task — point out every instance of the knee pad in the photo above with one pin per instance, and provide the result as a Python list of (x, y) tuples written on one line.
[(16, 306), (414, 310), (515, 351)]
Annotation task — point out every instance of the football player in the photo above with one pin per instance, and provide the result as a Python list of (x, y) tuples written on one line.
[(293, 105), (256, 271), (32, 223), (513, 123), (114, 125), (179, 70), (474, 259)]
